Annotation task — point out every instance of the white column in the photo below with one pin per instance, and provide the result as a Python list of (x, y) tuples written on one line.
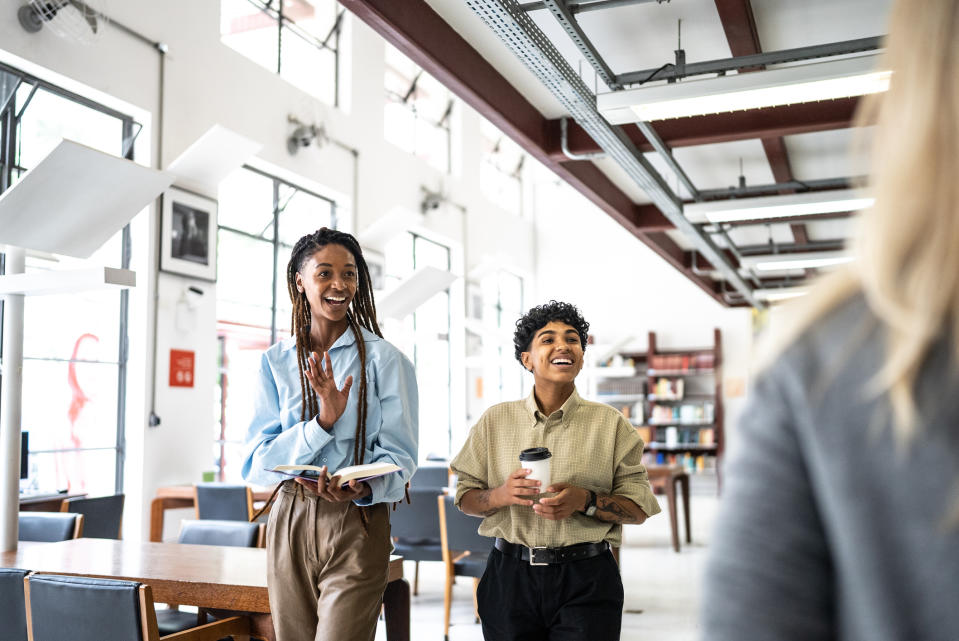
[(10, 402)]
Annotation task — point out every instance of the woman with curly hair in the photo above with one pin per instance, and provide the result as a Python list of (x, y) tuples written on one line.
[(551, 573)]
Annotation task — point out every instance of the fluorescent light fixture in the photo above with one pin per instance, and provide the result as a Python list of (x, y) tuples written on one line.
[(790, 205), (786, 85), (780, 293), (804, 260)]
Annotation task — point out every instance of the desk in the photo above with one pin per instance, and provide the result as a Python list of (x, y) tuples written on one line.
[(45, 502), (179, 496), (207, 576)]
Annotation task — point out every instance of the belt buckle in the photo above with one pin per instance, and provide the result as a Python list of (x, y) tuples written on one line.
[(532, 556)]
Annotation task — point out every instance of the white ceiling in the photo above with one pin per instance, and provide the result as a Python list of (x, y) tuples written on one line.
[(644, 36)]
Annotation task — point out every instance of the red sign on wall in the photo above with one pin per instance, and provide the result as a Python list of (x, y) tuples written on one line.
[(181, 367)]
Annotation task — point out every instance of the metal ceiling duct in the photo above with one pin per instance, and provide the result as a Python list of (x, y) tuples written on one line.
[(530, 45)]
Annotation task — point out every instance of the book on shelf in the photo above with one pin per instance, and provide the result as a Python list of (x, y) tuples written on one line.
[(351, 473)]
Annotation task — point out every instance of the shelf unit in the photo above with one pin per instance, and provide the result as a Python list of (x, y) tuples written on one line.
[(673, 397)]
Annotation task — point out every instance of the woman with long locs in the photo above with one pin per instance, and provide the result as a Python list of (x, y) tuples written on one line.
[(328, 546)]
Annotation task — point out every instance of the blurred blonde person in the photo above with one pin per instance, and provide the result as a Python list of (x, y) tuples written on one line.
[(839, 516)]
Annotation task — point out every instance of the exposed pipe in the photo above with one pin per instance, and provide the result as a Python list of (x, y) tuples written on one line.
[(518, 31), (792, 185), (564, 144), (667, 155), (590, 5)]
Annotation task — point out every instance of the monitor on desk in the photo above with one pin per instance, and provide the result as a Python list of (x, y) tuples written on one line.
[(24, 451)]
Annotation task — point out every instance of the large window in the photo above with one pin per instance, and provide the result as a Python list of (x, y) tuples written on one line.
[(74, 356), (494, 304), (424, 336), (418, 111), (260, 219), (501, 169), (298, 39)]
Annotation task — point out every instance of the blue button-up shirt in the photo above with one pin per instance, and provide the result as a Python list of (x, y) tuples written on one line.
[(277, 436)]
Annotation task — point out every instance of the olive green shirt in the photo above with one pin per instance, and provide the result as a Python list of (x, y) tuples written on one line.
[(593, 447)]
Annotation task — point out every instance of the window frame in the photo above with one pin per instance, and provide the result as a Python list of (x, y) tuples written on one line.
[(284, 22), (10, 117), (222, 366)]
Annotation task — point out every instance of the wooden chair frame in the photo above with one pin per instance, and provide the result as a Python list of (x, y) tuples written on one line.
[(450, 557), (238, 626)]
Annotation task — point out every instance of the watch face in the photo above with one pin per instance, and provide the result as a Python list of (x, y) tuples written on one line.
[(591, 510)]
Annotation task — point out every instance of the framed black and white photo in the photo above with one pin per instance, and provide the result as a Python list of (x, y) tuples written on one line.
[(376, 263), (188, 235)]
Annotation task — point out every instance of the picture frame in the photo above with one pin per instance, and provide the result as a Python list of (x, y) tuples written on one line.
[(188, 234), (376, 262)]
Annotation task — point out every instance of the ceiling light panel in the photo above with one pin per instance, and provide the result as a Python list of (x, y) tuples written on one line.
[(787, 85), (786, 206)]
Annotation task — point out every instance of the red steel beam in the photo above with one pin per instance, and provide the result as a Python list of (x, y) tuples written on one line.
[(423, 36), (743, 38), (784, 120)]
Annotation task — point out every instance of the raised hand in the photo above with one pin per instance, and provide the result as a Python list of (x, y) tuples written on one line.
[(561, 506), (332, 400)]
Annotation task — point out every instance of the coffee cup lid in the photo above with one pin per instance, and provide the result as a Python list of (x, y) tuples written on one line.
[(535, 454)]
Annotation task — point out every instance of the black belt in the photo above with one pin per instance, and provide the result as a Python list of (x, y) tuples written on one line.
[(548, 556)]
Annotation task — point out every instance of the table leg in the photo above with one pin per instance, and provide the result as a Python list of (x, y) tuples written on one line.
[(157, 506), (684, 487), (396, 610), (673, 520)]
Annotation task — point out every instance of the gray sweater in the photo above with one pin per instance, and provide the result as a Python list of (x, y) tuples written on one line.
[(826, 529)]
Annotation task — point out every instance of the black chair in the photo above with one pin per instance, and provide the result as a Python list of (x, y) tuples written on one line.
[(208, 532), (416, 530), (223, 502), (13, 613), (102, 515), (49, 526), (431, 476), (85, 609), (465, 552)]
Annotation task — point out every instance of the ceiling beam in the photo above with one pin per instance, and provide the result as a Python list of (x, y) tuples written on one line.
[(785, 120), (423, 36), (739, 24)]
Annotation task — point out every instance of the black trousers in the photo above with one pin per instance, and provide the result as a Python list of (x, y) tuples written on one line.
[(576, 601)]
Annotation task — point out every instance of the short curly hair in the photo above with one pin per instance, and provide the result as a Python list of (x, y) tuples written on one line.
[(539, 317)]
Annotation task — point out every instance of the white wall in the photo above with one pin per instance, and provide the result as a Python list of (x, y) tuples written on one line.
[(625, 290)]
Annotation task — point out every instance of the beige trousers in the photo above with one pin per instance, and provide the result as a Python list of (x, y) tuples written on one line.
[(326, 574)]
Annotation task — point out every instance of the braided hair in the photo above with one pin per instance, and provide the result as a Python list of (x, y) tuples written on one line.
[(362, 313)]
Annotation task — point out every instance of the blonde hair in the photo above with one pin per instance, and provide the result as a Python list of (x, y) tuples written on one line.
[(907, 244)]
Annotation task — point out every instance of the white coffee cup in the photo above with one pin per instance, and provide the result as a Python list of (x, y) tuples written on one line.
[(537, 460)]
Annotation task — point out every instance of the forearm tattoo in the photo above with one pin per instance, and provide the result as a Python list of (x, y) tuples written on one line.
[(483, 503), (612, 509)]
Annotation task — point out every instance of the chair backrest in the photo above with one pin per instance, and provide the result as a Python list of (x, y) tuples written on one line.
[(102, 515), (232, 533), (13, 614), (460, 531), (418, 522), (84, 609), (50, 526), (223, 501), (430, 476)]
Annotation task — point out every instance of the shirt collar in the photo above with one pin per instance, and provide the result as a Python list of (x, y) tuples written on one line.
[(567, 408), (345, 340)]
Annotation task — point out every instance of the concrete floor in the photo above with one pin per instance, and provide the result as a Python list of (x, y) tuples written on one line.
[(662, 587)]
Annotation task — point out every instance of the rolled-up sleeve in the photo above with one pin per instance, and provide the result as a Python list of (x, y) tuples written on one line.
[(267, 443), (630, 478), (398, 438), (471, 464)]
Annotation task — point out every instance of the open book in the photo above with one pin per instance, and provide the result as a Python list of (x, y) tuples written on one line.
[(346, 474)]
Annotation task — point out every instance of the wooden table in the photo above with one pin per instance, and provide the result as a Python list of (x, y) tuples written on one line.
[(46, 502), (665, 478), (208, 576), (180, 496)]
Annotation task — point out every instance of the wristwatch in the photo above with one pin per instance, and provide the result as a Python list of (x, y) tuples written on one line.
[(590, 509)]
